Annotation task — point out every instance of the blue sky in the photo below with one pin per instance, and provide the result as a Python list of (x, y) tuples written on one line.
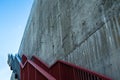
[(13, 19)]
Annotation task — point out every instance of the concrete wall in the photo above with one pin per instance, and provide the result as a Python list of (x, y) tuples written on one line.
[(83, 32)]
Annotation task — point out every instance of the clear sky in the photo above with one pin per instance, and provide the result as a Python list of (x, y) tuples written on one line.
[(13, 19)]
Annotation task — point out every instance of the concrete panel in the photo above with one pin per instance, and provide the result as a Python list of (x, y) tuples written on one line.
[(83, 32)]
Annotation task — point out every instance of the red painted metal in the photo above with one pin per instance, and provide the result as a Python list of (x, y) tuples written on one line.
[(40, 63), (35, 69), (31, 71), (24, 59)]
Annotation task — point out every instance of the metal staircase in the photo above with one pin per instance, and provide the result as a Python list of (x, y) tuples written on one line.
[(35, 69)]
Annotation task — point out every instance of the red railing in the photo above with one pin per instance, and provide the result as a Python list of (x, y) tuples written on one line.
[(31, 71), (35, 69)]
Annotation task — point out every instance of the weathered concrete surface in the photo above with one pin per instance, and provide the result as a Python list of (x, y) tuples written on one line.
[(83, 32)]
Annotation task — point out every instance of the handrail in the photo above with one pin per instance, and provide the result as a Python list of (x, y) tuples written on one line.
[(36, 69), (40, 63), (79, 71), (29, 68), (42, 71), (70, 71), (23, 68)]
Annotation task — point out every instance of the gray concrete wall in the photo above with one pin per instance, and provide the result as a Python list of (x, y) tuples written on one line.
[(83, 32)]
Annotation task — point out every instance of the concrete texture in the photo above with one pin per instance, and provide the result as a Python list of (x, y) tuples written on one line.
[(83, 32)]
